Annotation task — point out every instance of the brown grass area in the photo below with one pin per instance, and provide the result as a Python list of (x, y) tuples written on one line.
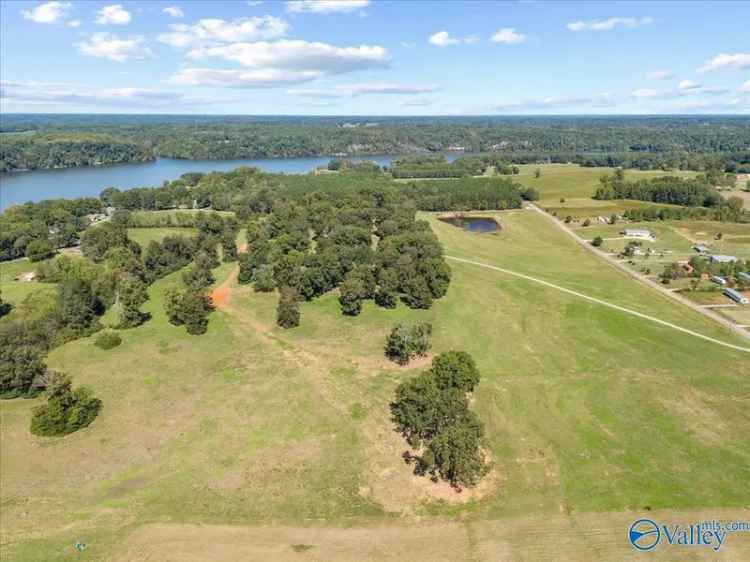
[(562, 538)]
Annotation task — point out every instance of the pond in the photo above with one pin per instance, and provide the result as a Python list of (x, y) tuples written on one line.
[(479, 225)]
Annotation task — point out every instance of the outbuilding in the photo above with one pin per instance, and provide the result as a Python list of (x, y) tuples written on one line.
[(736, 296), (719, 280), (637, 233), (701, 249), (718, 258)]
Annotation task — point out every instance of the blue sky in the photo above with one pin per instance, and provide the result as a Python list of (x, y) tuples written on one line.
[(371, 57)]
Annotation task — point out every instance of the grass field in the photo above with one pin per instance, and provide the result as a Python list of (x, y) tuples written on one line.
[(252, 442), (145, 235)]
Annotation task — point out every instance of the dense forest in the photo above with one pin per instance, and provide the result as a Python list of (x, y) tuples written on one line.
[(32, 151), (668, 142)]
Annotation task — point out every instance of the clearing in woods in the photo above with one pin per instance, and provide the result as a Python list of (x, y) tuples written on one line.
[(252, 442)]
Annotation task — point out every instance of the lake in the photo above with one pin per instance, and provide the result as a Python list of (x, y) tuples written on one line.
[(19, 187)]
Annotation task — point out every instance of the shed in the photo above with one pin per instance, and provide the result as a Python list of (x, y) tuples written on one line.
[(719, 280)]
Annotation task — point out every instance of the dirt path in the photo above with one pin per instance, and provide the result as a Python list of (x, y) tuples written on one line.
[(646, 281), (599, 301)]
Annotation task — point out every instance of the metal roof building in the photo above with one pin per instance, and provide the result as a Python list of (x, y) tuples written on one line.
[(637, 233), (718, 258), (736, 296)]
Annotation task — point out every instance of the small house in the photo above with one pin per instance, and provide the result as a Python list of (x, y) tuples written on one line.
[(637, 233), (736, 296), (719, 280), (718, 258)]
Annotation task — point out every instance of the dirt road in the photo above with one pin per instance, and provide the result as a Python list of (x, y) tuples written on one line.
[(614, 262)]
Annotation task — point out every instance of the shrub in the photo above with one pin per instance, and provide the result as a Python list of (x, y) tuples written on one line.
[(38, 250), (287, 311), (66, 410), (598, 241), (107, 340), (190, 308), (352, 292), (408, 341), (587, 222), (263, 280)]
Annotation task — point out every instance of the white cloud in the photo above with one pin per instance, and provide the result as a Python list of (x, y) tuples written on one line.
[(508, 36), (218, 30), (722, 61), (745, 87), (417, 102), (688, 85), (325, 6), (112, 15), (110, 46), (67, 94), (444, 39), (51, 12), (260, 78), (74, 23), (297, 55), (685, 88), (608, 24), (555, 103), (174, 12), (366, 88), (660, 75)]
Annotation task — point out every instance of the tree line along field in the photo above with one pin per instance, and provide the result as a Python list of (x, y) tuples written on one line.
[(591, 417)]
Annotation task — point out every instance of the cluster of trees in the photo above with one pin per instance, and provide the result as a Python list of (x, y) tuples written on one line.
[(732, 211), (436, 166), (688, 192), (468, 194), (365, 243), (67, 409), (32, 151), (432, 412), (667, 142), (407, 341), (45, 226)]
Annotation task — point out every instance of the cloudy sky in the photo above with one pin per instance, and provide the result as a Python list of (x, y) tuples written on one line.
[(375, 57)]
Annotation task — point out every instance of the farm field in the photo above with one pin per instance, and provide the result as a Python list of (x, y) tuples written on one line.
[(576, 184), (259, 442)]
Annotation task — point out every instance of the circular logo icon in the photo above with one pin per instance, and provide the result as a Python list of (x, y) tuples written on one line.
[(644, 534)]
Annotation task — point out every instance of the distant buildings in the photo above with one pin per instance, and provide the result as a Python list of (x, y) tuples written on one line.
[(736, 296), (718, 258), (638, 233), (701, 249)]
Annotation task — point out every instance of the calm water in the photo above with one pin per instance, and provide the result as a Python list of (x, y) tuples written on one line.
[(473, 224), (20, 187)]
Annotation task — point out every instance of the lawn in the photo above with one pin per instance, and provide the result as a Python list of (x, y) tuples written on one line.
[(145, 235), (570, 181), (588, 411)]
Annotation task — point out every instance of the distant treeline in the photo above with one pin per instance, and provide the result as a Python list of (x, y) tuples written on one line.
[(697, 196), (67, 150), (672, 142)]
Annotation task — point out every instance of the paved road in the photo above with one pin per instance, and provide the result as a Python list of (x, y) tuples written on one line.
[(598, 301), (614, 262)]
